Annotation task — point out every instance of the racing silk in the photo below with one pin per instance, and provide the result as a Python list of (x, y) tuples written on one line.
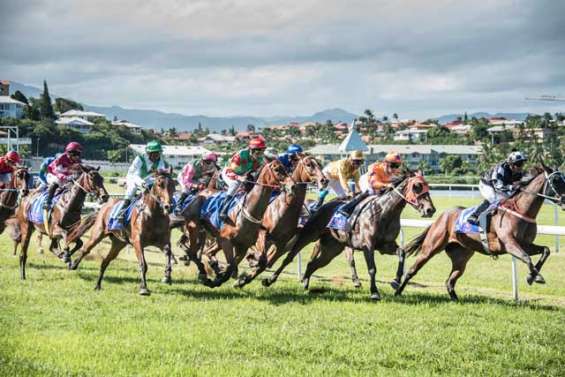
[(378, 177), (342, 170), (43, 168), (142, 167), (61, 167), (242, 163), (4, 167), (195, 171), (501, 177), (284, 158)]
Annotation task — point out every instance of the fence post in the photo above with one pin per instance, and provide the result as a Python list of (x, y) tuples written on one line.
[(299, 266), (556, 222), (401, 236), (514, 280)]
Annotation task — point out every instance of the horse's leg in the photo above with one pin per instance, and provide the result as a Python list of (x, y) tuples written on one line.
[(372, 269), (96, 235), (54, 247), (169, 267), (534, 250), (139, 253), (325, 250), (191, 251), (429, 249), (459, 256), (39, 242), (27, 229), (228, 249), (260, 266), (351, 261), (68, 252), (115, 249), (400, 269), (514, 248)]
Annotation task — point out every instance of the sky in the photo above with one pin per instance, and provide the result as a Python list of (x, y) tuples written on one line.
[(415, 58)]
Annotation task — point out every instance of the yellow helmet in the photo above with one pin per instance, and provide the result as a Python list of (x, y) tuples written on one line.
[(393, 157), (356, 155)]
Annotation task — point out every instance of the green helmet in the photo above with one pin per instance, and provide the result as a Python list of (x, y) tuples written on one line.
[(153, 146)]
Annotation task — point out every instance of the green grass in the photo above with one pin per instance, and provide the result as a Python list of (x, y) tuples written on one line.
[(55, 324)]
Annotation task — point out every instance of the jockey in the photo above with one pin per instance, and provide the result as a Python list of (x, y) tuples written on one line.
[(270, 154), (195, 174), (379, 176), (139, 174), (61, 169), (290, 157), (498, 183), (43, 170), (8, 164), (341, 171), (245, 161)]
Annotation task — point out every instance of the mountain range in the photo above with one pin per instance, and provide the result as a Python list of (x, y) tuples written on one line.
[(159, 119)]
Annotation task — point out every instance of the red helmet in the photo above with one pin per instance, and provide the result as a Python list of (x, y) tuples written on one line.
[(14, 157), (73, 146), (257, 143)]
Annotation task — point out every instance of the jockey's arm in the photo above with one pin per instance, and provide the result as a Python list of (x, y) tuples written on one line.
[(134, 172)]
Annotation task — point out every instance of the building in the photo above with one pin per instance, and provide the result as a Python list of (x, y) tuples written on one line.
[(411, 135), (176, 155), (352, 142), (79, 124), (217, 139), (4, 88), (134, 128), (11, 108), (86, 115)]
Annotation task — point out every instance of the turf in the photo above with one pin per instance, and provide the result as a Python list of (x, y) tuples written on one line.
[(55, 324)]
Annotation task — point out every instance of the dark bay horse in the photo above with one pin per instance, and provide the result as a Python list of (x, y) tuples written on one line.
[(9, 196), (512, 230), (65, 222), (236, 236), (280, 221), (149, 226), (377, 227)]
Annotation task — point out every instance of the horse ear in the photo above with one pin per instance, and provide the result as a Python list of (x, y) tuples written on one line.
[(97, 168)]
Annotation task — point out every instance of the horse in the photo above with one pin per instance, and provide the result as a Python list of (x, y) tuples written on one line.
[(242, 227), (9, 196), (280, 221), (376, 227), (64, 221), (512, 230), (149, 226)]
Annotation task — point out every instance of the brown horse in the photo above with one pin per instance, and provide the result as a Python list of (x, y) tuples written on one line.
[(280, 221), (512, 230), (9, 196), (240, 232), (65, 221), (149, 226), (377, 227)]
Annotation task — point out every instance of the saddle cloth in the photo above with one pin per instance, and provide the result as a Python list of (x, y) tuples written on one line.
[(35, 211), (113, 222), (462, 226)]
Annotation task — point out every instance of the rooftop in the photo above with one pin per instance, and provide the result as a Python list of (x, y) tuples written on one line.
[(80, 113), (174, 150), (74, 121), (126, 124), (352, 142), (8, 99)]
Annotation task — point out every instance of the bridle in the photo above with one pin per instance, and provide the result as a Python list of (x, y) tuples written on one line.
[(548, 182), (414, 202)]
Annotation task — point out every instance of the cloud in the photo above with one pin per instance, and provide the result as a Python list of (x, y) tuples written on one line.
[(260, 57)]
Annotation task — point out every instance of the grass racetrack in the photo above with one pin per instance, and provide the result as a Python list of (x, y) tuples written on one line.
[(55, 324)]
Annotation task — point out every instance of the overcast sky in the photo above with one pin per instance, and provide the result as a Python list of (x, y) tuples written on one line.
[(259, 57)]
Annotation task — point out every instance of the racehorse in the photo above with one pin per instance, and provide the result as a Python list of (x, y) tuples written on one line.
[(65, 221), (242, 227), (9, 196), (512, 230), (148, 226), (377, 226), (280, 221)]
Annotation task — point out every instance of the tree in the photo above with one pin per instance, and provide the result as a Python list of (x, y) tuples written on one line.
[(251, 127), (449, 163), (19, 96), (63, 105), (45, 106), (465, 118), (395, 116)]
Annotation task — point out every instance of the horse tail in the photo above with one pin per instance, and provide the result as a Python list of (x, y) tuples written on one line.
[(85, 224), (415, 245)]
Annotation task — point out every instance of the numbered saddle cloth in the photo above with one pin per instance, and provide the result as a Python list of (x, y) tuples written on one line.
[(211, 207), (35, 211), (462, 226)]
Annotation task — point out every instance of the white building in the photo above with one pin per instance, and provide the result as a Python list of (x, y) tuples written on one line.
[(11, 108), (217, 139), (78, 124), (134, 128), (91, 116), (410, 135), (176, 155)]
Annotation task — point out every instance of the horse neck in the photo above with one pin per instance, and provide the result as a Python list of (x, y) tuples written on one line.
[(9, 197), (527, 203), (394, 205), (258, 200), (151, 203), (77, 198)]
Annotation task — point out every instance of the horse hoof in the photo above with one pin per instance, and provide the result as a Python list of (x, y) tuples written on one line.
[(375, 297), (97, 288), (357, 284), (539, 279), (266, 282), (144, 292), (394, 284), (530, 279), (397, 293), (167, 280)]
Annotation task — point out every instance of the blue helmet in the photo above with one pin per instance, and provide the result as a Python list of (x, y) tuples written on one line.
[(294, 148)]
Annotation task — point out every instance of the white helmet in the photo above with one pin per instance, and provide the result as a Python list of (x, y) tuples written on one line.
[(515, 157)]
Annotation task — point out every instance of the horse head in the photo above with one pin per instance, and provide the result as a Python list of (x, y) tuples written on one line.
[(417, 193), (308, 169), (554, 189), (92, 182), (21, 180), (163, 189), (273, 174)]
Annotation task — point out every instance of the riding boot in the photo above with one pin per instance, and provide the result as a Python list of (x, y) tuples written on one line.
[(348, 208), (121, 216), (474, 218), (180, 202), (225, 207), (321, 197), (50, 194)]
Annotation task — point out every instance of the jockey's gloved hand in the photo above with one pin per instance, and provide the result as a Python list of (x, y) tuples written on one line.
[(323, 193)]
